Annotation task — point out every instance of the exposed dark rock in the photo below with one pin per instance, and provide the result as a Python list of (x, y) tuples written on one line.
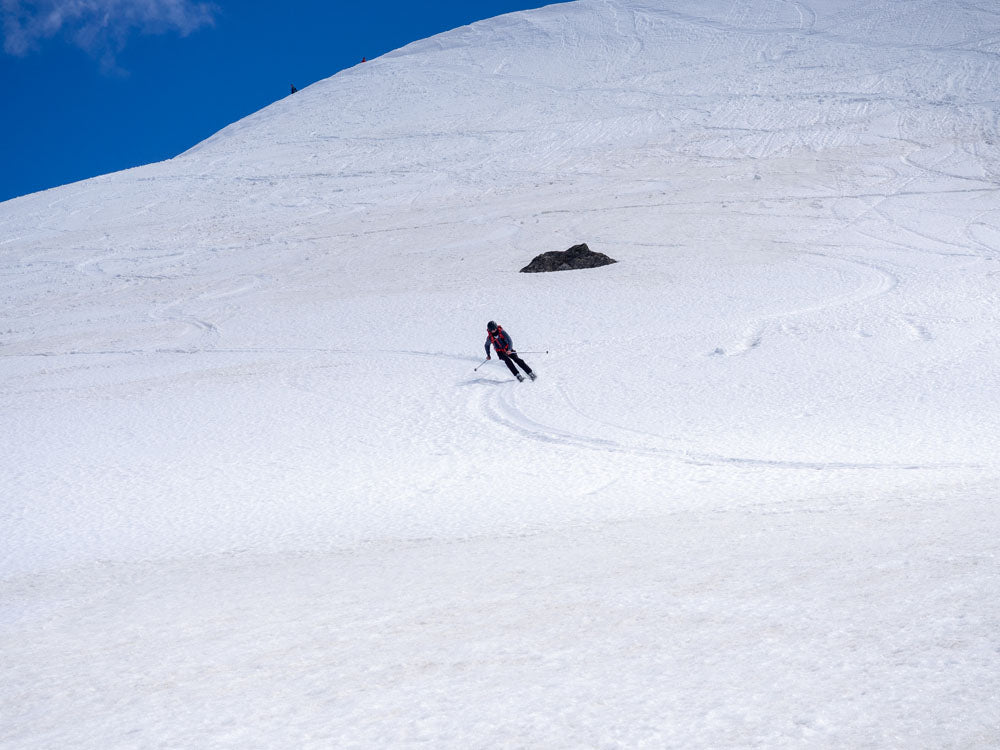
[(578, 256)]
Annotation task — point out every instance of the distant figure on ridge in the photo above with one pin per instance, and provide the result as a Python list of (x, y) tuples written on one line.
[(505, 350), (293, 88)]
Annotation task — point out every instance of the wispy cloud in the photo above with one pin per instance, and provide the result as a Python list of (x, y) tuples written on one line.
[(101, 27)]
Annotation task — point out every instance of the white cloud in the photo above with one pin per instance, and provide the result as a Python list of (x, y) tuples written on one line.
[(101, 27)]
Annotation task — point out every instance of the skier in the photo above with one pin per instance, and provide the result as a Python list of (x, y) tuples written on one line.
[(504, 348)]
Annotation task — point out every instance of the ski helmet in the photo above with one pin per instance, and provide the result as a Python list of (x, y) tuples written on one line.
[(491, 326)]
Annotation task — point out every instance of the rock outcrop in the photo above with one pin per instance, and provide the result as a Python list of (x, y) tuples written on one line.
[(578, 256)]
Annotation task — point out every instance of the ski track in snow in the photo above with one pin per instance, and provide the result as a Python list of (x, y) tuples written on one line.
[(884, 282), (501, 407)]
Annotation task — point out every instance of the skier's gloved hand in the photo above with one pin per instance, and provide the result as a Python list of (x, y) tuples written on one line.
[(488, 357)]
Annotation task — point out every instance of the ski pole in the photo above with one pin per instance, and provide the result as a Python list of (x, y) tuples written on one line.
[(545, 352), (481, 364)]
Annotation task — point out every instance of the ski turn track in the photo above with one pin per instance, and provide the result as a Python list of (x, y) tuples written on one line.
[(503, 406)]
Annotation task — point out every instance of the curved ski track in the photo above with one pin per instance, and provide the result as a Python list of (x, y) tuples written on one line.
[(501, 407)]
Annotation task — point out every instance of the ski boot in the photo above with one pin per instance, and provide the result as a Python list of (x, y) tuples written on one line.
[(532, 375), (520, 377)]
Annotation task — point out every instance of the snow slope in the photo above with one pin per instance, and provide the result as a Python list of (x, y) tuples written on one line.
[(254, 494)]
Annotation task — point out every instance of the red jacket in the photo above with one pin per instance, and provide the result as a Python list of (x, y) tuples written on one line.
[(500, 340)]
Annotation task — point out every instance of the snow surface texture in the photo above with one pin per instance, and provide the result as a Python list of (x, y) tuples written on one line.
[(254, 494)]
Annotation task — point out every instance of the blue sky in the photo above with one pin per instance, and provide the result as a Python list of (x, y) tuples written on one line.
[(94, 86)]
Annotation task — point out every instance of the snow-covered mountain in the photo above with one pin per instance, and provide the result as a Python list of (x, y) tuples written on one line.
[(254, 492)]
